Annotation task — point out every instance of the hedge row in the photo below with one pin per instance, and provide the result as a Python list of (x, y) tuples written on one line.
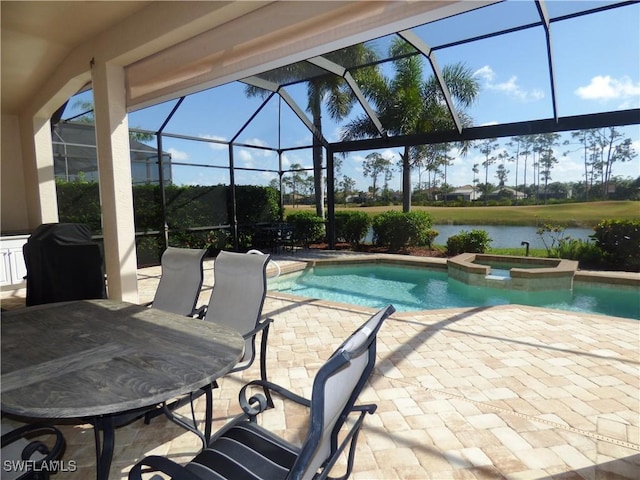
[(187, 208), (391, 229)]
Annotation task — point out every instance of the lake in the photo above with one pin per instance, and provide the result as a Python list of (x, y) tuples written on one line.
[(504, 236), (509, 237)]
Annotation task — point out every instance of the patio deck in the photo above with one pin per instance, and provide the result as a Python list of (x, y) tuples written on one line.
[(495, 392)]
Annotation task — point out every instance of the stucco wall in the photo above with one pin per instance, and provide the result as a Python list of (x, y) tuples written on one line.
[(13, 197)]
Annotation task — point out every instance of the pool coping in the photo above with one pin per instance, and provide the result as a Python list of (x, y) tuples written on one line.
[(589, 277), (626, 280)]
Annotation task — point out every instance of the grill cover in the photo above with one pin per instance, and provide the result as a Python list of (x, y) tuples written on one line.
[(63, 264)]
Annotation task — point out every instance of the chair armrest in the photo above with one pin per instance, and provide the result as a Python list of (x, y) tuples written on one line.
[(36, 446), (161, 464), (369, 408), (252, 411), (348, 441), (261, 326)]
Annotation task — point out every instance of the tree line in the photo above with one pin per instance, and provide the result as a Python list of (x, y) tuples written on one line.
[(523, 171), (602, 148), (408, 102)]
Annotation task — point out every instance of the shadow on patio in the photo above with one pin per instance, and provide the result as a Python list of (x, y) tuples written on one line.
[(497, 392)]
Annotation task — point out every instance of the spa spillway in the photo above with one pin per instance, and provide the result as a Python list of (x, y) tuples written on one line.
[(512, 272)]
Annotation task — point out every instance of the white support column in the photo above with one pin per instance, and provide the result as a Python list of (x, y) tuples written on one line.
[(114, 166), (42, 203)]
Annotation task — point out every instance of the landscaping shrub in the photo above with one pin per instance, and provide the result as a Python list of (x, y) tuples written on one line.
[(475, 241), (79, 202), (307, 227), (553, 238), (352, 226), (395, 229), (559, 245), (257, 204), (586, 253), (619, 241), (219, 240), (429, 236)]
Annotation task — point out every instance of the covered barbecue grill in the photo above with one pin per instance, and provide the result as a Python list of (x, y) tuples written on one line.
[(63, 263)]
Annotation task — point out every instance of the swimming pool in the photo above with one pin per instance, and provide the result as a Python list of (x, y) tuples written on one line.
[(411, 288)]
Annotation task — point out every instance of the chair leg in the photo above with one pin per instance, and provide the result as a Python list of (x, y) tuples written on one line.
[(179, 421), (206, 436), (263, 364), (151, 414), (208, 418)]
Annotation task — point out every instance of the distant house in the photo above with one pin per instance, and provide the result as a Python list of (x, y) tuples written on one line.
[(466, 193), (75, 158), (506, 192), (359, 198)]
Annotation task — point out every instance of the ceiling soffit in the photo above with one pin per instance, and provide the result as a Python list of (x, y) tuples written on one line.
[(37, 36), (273, 36)]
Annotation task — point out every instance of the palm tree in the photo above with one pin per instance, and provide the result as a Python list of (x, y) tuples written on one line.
[(328, 89), (408, 104)]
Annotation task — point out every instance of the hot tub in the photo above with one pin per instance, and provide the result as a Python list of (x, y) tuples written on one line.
[(512, 272)]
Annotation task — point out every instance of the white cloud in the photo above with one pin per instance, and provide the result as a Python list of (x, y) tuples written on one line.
[(245, 156), (254, 178), (259, 152), (290, 158), (510, 87), (215, 146), (486, 73), (629, 104), (607, 88), (186, 177), (256, 141), (178, 155), (391, 155)]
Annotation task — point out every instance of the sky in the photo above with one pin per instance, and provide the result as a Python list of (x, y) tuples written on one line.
[(597, 69)]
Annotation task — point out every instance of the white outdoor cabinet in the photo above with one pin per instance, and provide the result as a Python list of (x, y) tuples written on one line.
[(12, 266)]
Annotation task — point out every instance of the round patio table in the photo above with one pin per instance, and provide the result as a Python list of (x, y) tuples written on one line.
[(101, 360)]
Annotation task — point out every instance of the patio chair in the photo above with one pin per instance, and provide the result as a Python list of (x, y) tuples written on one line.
[(181, 280), (237, 297), (30, 452), (242, 449), (178, 292)]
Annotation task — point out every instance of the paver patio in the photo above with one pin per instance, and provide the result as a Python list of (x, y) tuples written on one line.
[(494, 392)]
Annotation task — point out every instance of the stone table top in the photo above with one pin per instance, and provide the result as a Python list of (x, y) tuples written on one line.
[(97, 357)]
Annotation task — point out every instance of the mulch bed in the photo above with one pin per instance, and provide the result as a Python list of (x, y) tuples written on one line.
[(416, 251)]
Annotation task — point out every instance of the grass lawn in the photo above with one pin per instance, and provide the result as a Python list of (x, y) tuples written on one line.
[(585, 215)]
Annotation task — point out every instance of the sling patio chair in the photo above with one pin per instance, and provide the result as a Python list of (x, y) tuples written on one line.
[(30, 451), (181, 280), (177, 292), (243, 449), (237, 298)]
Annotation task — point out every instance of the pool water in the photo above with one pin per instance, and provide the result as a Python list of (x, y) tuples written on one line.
[(411, 289)]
